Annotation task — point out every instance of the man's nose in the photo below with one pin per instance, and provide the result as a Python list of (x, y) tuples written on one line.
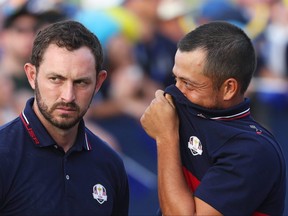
[(68, 93)]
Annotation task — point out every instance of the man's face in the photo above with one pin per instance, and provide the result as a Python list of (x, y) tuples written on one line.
[(65, 120), (188, 72), (64, 86)]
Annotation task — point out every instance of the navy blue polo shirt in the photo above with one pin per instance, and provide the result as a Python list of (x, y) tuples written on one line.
[(229, 160), (38, 178)]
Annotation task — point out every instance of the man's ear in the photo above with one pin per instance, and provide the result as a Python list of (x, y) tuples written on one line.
[(100, 79), (230, 88), (30, 71)]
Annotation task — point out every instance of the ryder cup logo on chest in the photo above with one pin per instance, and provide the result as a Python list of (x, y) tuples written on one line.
[(195, 146), (99, 193)]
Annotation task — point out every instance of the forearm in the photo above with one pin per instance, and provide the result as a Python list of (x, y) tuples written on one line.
[(175, 197), (160, 121)]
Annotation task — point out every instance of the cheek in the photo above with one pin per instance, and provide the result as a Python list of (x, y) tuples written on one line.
[(84, 97), (206, 99), (195, 98), (47, 94)]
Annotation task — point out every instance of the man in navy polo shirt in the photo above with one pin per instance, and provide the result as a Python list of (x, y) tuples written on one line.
[(213, 158), (51, 164)]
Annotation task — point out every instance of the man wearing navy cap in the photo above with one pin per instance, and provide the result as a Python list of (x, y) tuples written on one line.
[(51, 164), (213, 158)]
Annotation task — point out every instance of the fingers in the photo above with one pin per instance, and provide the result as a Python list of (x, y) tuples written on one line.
[(159, 94), (170, 99)]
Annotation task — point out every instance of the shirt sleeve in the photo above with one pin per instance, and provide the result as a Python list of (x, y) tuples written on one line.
[(243, 174)]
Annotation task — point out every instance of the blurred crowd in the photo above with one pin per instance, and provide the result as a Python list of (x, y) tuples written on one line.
[(139, 39)]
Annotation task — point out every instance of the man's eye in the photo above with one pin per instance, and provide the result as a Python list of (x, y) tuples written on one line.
[(187, 83), (54, 79), (81, 83)]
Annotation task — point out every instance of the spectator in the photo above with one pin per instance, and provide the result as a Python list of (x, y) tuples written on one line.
[(18, 33), (154, 51), (7, 108)]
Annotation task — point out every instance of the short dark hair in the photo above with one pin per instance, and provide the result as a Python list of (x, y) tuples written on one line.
[(67, 34), (229, 52)]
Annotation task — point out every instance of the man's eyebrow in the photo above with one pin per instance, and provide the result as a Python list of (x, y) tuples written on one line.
[(55, 75), (84, 79)]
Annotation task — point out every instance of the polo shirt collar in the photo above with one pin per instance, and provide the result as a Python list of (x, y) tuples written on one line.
[(236, 112), (39, 134)]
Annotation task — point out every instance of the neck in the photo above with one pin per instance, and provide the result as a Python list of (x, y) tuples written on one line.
[(63, 137), (233, 102)]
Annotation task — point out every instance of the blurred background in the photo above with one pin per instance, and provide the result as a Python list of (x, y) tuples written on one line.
[(139, 39)]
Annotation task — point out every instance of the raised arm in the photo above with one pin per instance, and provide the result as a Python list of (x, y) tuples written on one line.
[(161, 122)]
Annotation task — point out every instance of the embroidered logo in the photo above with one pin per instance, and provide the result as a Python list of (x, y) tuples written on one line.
[(258, 131), (99, 193), (195, 146), (201, 115)]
